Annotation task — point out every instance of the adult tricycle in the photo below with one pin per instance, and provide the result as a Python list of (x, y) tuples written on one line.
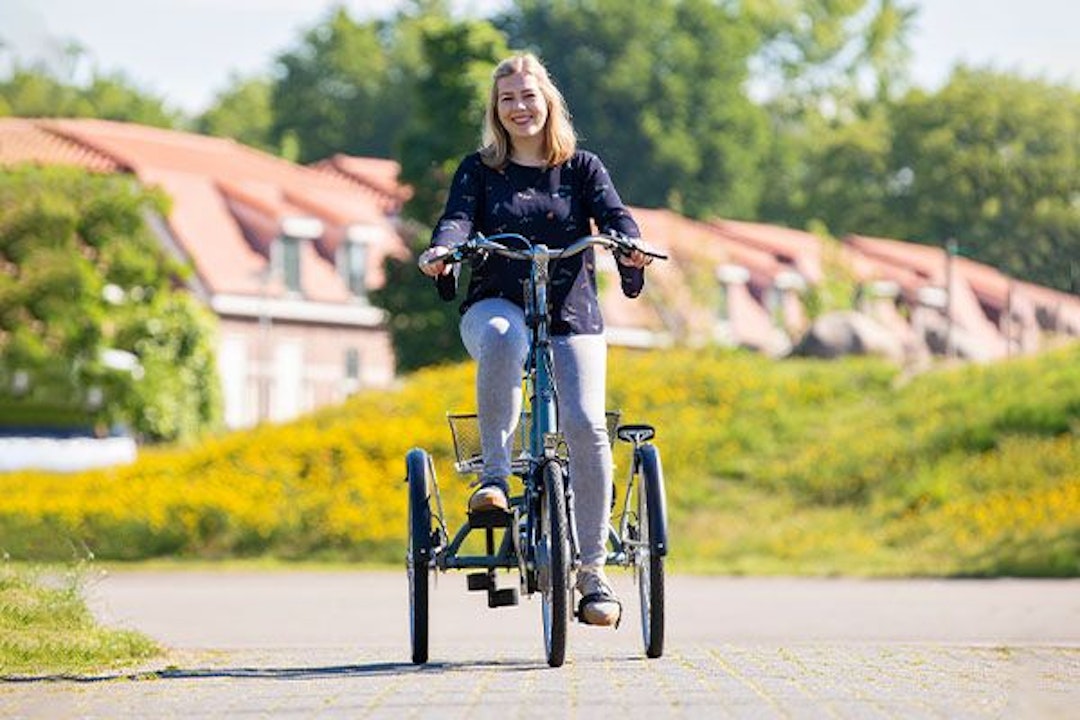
[(535, 538)]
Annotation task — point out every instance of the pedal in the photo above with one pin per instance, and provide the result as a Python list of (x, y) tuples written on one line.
[(491, 519), (480, 581), (502, 598)]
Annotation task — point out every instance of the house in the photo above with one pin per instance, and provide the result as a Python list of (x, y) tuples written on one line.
[(746, 284), (284, 255), (708, 291), (961, 307)]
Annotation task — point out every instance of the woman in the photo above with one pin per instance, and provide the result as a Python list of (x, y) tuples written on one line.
[(530, 178)]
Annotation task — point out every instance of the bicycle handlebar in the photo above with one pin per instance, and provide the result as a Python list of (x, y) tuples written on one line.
[(480, 243)]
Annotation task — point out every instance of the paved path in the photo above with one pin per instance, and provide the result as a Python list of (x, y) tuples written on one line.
[(335, 644)]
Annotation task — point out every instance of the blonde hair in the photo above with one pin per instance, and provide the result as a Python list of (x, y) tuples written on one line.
[(560, 141)]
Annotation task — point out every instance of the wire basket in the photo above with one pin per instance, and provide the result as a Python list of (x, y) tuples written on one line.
[(465, 429)]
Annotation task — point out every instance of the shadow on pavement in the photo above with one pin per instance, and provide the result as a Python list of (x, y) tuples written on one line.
[(285, 673)]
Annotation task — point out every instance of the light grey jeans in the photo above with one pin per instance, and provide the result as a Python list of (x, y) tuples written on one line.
[(495, 334)]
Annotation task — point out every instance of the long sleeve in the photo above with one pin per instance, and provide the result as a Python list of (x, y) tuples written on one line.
[(612, 216), (462, 205)]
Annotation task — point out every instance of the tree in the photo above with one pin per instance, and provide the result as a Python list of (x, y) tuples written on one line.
[(828, 72), (33, 93), (85, 284), (656, 89), (242, 112), (331, 91), (992, 160), (449, 98), (447, 68), (834, 172), (830, 55)]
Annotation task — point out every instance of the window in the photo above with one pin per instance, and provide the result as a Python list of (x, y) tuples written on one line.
[(286, 256), (727, 276), (288, 262), (353, 256), (352, 371), (352, 364), (354, 267), (723, 311)]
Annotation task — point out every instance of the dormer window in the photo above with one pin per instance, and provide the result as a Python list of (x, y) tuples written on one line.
[(353, 257), (729, 275), (286, 253), (288, 262), (354, 267)]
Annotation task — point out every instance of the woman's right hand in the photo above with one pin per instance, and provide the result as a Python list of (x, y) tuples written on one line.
[(430, 264)]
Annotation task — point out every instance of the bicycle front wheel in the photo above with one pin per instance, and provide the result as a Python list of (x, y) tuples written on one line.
[(553, 562), (417, 467), (649, 559)]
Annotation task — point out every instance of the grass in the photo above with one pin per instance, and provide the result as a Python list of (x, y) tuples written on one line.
[(46, 628)]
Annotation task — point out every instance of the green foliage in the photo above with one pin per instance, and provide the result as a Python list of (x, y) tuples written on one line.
[(179, 396), (333, 90), (657, 90), (242, 112), (448, 107), (838, 287), (992, 160), (825, 53), (35, 93), (84, 274)]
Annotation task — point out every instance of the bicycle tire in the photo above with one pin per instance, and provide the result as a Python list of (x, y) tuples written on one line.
[(554, 579), (649, 565), (417, 467)]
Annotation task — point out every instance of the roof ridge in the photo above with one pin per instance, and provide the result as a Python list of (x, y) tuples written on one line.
[(54, 127)]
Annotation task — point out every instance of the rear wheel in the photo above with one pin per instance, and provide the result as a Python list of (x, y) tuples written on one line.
[(649, 565), (417, 560), (553, 563)]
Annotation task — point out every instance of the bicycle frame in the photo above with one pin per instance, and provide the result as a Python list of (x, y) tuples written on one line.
[(541, 393)]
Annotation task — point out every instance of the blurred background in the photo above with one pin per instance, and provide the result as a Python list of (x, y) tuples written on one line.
[(864, 345)]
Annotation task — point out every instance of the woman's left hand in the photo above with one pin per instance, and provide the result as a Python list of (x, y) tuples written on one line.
[(636, 258)]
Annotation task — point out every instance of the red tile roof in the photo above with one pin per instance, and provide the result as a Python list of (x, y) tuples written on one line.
[(797, 248), (228, 199), (376, 176), (26, 141), (697, 249)]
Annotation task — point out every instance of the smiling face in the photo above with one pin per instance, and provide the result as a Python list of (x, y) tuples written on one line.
[(523, 110)]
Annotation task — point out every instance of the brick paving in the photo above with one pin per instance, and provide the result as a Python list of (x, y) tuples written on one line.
[(328, 644)]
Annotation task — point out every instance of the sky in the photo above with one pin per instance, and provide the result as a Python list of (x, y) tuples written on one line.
[(186, 51)]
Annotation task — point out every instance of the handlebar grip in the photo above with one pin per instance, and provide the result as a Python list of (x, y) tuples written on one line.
[(446, 286), (626, 250)]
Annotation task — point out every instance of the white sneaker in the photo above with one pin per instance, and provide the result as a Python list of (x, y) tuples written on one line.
[(598, 605)]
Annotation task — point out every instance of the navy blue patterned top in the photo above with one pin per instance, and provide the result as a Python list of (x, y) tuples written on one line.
[(554, 206)]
